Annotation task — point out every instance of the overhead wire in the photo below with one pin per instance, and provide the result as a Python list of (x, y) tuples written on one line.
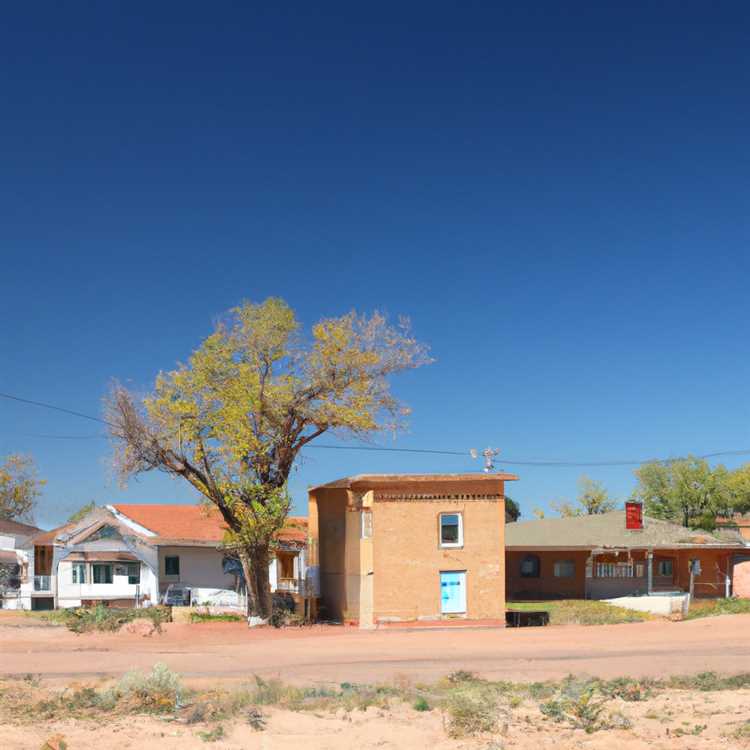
[(432, 451)]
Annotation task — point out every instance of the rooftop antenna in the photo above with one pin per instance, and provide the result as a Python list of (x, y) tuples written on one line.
[(489, 458)]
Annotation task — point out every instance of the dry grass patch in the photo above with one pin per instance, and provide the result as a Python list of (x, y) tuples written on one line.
[(582, 612)]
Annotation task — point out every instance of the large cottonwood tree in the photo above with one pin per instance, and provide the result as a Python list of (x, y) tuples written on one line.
[(233, 419)]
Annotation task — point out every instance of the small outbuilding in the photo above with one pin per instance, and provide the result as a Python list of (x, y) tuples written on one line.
[(409, 547)]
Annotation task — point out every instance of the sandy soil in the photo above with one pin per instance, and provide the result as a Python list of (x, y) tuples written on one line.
[(317, 654), (671, 721)]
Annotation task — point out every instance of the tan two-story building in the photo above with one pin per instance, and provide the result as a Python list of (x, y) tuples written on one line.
[(407, 547)]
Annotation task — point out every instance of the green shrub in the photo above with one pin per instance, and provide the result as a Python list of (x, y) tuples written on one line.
[(218, 617), (109, 619), (421, 704)]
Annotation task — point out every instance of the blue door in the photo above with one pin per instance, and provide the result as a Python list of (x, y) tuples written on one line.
[(453, 592)]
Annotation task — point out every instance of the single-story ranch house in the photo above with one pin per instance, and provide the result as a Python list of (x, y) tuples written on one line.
[(597, 557), (129, 554)]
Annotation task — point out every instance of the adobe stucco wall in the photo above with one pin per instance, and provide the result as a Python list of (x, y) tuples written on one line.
[(337, 555), (407, 558)]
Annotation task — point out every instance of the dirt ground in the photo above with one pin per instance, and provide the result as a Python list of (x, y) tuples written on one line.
[(320, 654), (674, 720), (226, 654)]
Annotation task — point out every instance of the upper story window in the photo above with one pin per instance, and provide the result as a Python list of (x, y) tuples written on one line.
[(451, 530), (104, 532), (530, 566), (172, 565)]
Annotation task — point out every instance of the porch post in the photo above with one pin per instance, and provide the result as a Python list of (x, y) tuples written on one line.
[(589, 574), (650, 571)]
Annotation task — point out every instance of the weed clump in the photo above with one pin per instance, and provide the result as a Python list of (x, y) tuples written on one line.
[(579, 703), (157, 692), (471, 710)]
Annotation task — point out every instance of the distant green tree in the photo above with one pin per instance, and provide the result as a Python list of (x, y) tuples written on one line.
[(592, 500), (84, 510), (512, 509), (19, 488), (687, 491), (738, 482)]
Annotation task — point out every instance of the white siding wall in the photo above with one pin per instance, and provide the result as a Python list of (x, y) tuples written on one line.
[(71, 594), (200, 567)]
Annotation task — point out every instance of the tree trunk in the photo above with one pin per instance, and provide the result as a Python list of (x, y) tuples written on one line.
[(251, 607), (255, 569)]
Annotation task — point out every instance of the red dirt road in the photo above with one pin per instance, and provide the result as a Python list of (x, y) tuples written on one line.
[(229, 651)]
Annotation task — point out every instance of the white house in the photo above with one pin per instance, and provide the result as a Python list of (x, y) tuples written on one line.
[(129, 554)]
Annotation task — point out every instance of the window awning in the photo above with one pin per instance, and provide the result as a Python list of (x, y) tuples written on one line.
[(101, 557), (8, 556)]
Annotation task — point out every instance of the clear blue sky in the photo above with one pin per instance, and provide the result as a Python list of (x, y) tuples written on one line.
[(556, 194)]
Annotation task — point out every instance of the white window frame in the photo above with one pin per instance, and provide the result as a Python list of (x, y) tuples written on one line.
[(75, 568), (460, 542)]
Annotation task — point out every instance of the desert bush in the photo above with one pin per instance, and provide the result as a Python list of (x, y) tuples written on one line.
[(471, 710), (158, 691), (627, 689), (579, 704)]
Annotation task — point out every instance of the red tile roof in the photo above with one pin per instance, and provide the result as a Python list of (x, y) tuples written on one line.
[(195, 522)]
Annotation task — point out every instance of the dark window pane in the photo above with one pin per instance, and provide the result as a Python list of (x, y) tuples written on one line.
[(449, 528), (172, 566), (530, 566)]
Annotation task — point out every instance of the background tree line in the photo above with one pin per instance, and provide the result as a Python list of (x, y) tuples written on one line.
[(687, 491)]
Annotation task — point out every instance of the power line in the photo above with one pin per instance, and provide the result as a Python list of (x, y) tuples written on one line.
[(506, 462), (52, 406)]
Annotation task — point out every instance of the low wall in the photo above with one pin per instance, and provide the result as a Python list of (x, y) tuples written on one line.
[(672, 604)]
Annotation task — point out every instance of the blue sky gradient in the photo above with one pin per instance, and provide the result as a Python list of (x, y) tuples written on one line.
[(556, 196)]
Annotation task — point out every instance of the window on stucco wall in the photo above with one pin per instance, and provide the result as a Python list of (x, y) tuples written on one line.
[(451, 530), (530, 566)]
